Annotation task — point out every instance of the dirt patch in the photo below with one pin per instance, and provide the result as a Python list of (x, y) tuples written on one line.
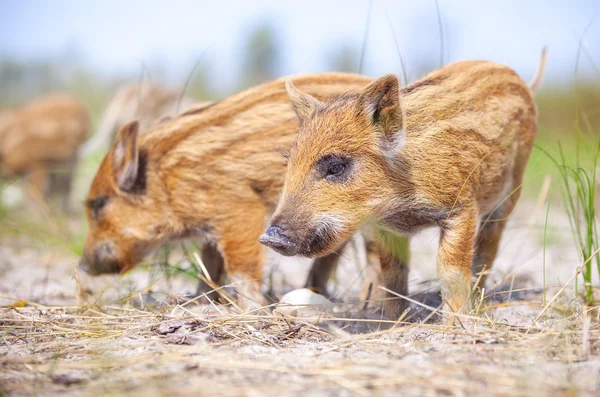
[(195, 350), (139, 334)]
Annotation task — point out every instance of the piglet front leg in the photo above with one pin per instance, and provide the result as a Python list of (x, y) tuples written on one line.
[(455, 255)]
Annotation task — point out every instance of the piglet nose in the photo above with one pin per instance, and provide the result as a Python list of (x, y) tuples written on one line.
[(276, 239), (85, 265), (100, 261)]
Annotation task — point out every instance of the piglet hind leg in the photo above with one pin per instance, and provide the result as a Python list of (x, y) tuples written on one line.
[(488, 239), (214, 264), (371, 290), (394, 256), (38, 185), (455, 255), (64, 181), (61, 178)]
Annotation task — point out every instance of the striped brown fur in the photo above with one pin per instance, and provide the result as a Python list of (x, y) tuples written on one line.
[(216, 172), (40, 140), (447, 151)]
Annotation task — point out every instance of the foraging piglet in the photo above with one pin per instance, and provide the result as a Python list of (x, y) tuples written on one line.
[(215, 172), (447, 151)]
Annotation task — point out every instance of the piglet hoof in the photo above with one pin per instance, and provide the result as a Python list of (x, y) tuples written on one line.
[(455, 315)]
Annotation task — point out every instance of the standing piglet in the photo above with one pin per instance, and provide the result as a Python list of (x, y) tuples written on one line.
[(40, 141), (447, 151)]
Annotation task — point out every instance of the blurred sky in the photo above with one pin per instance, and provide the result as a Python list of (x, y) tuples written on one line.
[(115, 36)]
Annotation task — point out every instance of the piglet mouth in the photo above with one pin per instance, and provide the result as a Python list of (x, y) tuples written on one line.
[(100, 261), (320, 241), (275, 239), (109, 267)]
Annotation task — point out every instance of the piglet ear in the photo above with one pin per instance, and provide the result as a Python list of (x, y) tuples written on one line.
[(304, 104), (125, 157), (381, 102)]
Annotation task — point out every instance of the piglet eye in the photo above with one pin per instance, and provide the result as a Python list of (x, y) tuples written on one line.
[(335, 169), (97, 204)]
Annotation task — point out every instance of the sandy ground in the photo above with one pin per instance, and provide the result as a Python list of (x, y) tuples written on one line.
[(138, 335)]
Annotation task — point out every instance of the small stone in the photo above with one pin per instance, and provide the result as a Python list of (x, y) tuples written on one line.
[(303, 303), (169, 327)]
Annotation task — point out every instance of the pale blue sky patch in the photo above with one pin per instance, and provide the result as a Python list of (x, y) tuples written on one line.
[(116, 36)]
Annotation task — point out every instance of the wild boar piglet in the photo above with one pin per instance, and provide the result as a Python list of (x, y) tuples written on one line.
[(40, 141), (447, 151), (213, 173)]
